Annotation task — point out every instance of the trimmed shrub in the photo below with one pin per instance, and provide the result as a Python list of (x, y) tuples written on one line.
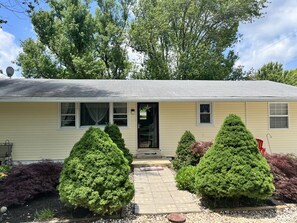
[(25, 182), (199, 149), (185, 178), (284, 169), (116, 136), (96, 175), (233, 167), (184, 156)]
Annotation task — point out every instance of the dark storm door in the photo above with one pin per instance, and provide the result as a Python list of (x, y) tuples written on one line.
[(148, 125)]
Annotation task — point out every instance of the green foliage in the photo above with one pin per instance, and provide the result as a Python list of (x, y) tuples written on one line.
[(238, 74), (96, 175), (184, 156), (44, 214), (291, 77), (233, 167), (271, 71), (72, 42), (185, 178), (274, 71), (116, 136), (4, 171), (184, 39)]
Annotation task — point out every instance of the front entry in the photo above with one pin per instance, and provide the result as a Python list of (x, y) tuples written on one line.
[(148, 125)]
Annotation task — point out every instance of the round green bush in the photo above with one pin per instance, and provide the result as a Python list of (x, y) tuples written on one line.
[(233, 167), (185, 178), (96, 175), (116, 136), (184, 156)]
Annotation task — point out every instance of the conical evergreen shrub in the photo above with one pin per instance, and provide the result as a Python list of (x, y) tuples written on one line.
[(116, 136), (96, 175), (184, 156), (233, 167)]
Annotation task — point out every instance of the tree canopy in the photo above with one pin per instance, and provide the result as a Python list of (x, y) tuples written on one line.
[(179, 39), (274, 71), (75, 42), (189, 39)]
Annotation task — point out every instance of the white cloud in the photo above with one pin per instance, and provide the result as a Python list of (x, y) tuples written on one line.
[(272, 38), (8, 50)]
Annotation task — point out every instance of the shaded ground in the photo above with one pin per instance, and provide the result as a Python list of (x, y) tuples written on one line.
[(50, 201)]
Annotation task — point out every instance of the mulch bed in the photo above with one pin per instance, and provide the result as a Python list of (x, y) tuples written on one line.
[(26, 213)]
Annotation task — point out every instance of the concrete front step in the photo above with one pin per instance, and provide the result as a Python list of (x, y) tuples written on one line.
[(151, 162), (148, 154)]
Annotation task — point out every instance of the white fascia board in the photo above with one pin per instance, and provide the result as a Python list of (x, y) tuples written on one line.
[(148, 99)]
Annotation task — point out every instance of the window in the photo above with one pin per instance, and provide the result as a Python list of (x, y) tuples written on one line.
[(94, 114), (120, 114), (67, 114), (279, 115), (205, 113)]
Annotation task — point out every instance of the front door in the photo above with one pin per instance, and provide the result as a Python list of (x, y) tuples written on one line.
[(148, 125)]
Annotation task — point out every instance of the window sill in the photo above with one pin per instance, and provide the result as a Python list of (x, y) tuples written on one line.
[(282, 129), (205, 124)]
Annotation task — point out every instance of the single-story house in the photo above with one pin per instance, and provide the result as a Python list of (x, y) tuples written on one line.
[(43, 118)]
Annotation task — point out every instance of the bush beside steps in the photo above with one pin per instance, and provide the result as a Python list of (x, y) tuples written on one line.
[(96, 175)]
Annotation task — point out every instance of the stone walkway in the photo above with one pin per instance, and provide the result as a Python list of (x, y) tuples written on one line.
[(156, 193)]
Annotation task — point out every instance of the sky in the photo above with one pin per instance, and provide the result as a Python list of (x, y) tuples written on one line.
[(271, 38)]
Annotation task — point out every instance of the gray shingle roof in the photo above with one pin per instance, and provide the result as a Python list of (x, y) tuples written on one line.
[(40, 90)]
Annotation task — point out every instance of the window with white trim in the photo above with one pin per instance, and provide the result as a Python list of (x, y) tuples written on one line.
[(120, 117), (94, 114), (67, 115), (89, 114), (205, 113), (278, 115)]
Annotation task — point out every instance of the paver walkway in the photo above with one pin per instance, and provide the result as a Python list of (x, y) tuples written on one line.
[(156, 193)]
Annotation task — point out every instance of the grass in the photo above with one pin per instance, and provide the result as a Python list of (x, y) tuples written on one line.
[(44, 214)]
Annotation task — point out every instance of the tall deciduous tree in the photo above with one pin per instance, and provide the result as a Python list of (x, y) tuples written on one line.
[(189, 39), (239, 74), (75, 42), (274, 71)]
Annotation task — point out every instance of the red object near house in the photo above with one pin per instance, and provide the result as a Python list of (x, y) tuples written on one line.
[(260, 146)]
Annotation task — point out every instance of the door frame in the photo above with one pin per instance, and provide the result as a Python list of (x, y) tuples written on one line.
[(158, 125)]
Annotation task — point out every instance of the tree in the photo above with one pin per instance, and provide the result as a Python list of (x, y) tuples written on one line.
[(189, 39), (116, 136), (96, 175), (273, 71), (184, 156), (238, 74), (72, 42), (291, 77), (233, 167)]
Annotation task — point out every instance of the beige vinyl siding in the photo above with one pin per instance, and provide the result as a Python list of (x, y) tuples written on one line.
[(284, 140), (34, 127), (176, 118), (34, 130)]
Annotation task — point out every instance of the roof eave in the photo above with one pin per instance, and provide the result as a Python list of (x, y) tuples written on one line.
[(148, 99)]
